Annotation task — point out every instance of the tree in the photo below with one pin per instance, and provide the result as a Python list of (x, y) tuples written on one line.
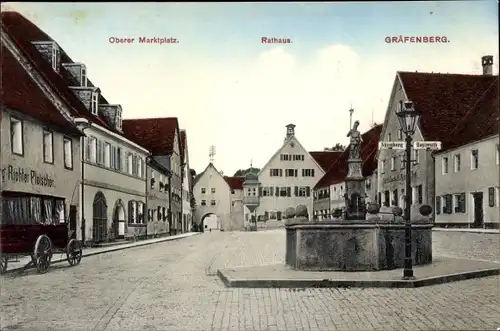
[(243, 172), (338, 148)]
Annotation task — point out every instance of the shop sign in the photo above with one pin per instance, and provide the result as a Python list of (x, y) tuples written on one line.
[(398, 178), (26, 176)]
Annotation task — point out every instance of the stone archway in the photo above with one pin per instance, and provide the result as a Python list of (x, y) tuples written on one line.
[(119, 223), (99, 218), (209, 221)]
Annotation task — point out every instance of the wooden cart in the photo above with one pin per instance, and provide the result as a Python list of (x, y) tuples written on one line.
[(39, 242)]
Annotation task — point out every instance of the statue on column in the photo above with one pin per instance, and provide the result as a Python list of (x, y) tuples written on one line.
[(355, 142)]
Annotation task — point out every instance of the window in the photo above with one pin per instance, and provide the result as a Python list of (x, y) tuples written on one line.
[(447, 204), (203, 190), (203, 202), (140, 167), (400, 134), (132, 211), (491, 196), (118, 161), (402, 160), (307, 172), (283, 191), (68, 153), (118, 119), (298, 157), (140, 212), (55, 56), (291, 172), (212, 190), (100, 152), (107, 154), (420, 197), (48, 146), (94, 105), (387, 199), (497, 154), (389, 137), (474, 159), (395, 199), (16, 136), (232, 191), (456, 162), (130, 163), (83, 76), (92, 149), (304, 191), (212, 202), (382, 167), (438, 205), (266, 191), (368, 184), (444, 165), (276, 172), (416, 156), (459, 202), (393, 163)]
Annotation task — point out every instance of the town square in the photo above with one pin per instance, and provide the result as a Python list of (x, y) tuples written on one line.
[(253, 166)]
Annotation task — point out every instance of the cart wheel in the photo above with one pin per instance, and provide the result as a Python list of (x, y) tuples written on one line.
[(3, 264), (74, 252), (43, 252), (42, 264)]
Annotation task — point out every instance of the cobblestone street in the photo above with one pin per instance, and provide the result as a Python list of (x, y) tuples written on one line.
[(172, 286)]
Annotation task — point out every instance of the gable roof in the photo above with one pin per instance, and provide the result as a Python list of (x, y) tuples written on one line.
[(210, 165), (155, 134), (281, 148), (338, 171), (444, 99), (326, 158), (235, 183), (23, 32), (482, 121), (20, 93)]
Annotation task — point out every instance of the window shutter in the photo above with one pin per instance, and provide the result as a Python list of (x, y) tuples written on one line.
[(271, 172), (127, 165), (271, 191), (277, 191), (260, 191), (312, 172), (281, 172), (86, 147), (295, 172), (491, 196), (288, 191), (308, 191), (438, 205), (296, 190), (130, 220)]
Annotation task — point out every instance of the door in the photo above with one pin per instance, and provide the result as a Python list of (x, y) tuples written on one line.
[(478, 209), (72, 221), (99, 218)]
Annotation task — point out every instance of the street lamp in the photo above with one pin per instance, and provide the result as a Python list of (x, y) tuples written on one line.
[(408, 118)]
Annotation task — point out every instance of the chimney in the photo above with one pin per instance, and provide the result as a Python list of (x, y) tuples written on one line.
[(290, 131), (487, 63)]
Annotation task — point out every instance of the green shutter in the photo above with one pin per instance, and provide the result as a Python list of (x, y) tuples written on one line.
[(296, 189), (308, 191), (288, 191)]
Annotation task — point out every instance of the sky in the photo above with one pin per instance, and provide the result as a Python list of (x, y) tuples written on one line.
[(231, 91)]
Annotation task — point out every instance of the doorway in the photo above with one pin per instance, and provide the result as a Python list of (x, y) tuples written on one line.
[(99, 218), (477, 204), (119, 220)]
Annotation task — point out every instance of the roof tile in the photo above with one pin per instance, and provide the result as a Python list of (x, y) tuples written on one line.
[(235, 183), (154, 134), (325, 158)]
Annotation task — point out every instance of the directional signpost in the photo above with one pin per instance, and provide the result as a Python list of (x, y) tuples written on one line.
[(392, 145), (428, 145)]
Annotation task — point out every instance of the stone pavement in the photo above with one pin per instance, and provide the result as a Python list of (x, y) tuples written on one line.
[(61, 256), (172, 286)]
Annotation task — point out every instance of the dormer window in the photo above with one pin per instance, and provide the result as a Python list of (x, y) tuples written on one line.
[(94, 106), (55, 56), (118, 119), (83, 76)]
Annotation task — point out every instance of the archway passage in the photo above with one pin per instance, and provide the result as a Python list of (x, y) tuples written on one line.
[(209, 221), (119, 220), (99, 218)]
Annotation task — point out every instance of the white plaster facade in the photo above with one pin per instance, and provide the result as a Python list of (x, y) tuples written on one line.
[(292, 173), (213, 196), (240, 214), (390, 181), (458, 181), (121, 179)]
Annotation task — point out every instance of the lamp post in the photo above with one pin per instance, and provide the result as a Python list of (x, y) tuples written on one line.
[(408, 118)]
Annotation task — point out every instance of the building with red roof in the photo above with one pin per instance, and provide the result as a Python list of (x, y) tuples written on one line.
[(330, 189), (459, 111), (113, 176), (40, 151)]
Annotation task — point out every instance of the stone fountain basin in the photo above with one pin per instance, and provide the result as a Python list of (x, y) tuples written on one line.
[(352, 246)]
